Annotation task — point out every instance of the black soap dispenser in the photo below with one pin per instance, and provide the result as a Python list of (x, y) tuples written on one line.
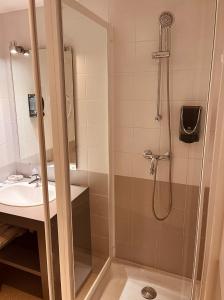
[(190, 119)]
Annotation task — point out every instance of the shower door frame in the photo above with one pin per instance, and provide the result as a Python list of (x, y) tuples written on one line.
[(54, 26), (215, 219)]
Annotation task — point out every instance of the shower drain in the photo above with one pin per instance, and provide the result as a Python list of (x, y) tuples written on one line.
[(149, 293)]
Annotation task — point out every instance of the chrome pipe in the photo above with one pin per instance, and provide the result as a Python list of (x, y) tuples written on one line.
[(158, 106)]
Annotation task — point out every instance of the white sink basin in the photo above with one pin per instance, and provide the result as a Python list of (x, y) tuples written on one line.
[(24, 194)]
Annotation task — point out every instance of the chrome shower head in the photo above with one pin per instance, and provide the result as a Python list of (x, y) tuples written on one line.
[(166, 19)]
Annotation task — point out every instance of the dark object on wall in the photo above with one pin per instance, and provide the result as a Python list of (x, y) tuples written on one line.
[(190, 119), (32, 105)]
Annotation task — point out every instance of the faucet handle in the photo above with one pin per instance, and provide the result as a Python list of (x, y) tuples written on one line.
[(148, 154)]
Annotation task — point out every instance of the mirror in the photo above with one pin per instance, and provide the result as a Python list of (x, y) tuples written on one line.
[(25, 106)]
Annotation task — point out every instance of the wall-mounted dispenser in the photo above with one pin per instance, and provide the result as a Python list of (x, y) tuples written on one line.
[(32, 105), (190, 119)]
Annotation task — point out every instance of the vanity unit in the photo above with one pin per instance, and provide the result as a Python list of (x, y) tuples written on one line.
[(23, 263)]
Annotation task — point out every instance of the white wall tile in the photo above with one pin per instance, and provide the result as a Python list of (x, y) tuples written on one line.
[(96, 86), (81, 136), (99, 7), (123, 139), (82, 154), (194, 171), (124, 113), (144, 60), (146, 21), (179, 148), (97, 113), (124, 57), (97, 160), (144, 139), (146, 86), (81, 87), (81, 113), (123, 164), (144, 114), (124, 87), (96, 136), (182, 85), (196, 149), (141, 167), (122, 16)]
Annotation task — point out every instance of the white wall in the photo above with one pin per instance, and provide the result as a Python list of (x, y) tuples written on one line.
[(8, 145), (136, 37)]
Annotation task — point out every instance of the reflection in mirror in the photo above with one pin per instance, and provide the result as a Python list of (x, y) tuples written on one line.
[(21, 64)]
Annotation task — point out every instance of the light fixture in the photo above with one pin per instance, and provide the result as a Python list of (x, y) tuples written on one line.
[(26, 52), (15, 49)]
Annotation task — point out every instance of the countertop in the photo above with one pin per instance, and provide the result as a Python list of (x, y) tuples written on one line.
[(37, 212)]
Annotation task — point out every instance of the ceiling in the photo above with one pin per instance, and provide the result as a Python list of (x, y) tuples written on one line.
[(11, 5)]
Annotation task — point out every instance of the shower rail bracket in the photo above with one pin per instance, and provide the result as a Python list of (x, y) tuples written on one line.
[(161, 54)]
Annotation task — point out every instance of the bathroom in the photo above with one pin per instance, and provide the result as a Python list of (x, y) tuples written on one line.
[(111, 164)]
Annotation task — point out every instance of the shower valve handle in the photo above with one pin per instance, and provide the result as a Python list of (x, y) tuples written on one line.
[(149, 155)]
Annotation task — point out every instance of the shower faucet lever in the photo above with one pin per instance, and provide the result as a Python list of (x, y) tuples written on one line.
[(154, 158), (149, 155)]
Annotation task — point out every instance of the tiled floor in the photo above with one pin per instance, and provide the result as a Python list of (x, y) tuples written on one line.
[(9, 293)]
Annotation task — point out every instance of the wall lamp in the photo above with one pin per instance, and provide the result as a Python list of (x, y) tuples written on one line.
[(15, 49)]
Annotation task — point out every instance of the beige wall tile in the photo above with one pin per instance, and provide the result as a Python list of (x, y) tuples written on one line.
[(98, 183), (99, 226), (99, 205), (123, 226), (100, 246), (140, 238), (123, 251), (170, 249)]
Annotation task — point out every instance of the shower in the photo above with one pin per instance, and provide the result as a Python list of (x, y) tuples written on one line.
[(165, 20)]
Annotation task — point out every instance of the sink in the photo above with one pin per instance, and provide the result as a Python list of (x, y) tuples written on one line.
[(24, 194)]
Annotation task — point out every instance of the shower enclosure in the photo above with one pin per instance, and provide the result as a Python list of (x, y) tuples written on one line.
[(147, 202)]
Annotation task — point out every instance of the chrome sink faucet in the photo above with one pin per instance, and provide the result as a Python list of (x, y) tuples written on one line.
[(35, 180)]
